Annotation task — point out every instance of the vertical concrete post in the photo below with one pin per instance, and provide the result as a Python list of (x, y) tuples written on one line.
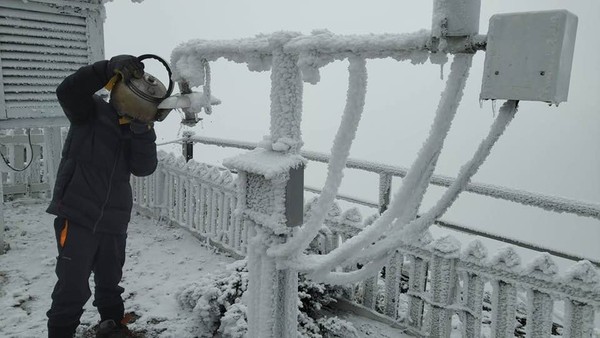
[(271, 201), (271, 197), (444, 283)]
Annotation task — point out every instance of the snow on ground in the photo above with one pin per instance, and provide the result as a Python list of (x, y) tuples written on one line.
[(160, 260)]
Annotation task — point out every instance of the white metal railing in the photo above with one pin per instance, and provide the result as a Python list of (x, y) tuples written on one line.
[(387, 172), (422, 286), (15, 147), (198, 197), (444, 280)]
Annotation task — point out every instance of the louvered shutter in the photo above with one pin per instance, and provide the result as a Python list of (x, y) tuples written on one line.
[(40, 44)]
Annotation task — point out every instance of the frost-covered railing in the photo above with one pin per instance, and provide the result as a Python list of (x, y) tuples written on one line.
[(14, 145), (387, 172), (422, 286), (196, 196), (426, 284)]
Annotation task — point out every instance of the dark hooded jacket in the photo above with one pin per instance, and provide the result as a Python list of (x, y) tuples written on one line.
[(99, 155)]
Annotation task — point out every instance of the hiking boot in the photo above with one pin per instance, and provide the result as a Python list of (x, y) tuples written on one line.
[(111, 329)]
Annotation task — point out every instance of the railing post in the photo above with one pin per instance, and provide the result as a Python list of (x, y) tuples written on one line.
[(417, 280), (52, 153), (474, 302), (370, 292), (473, 291), (187, 147), (579, 316), (504, 299), (540, 304), (162, 194), (393, 273), (385, 188), (579, 320), (273, 199), (504, 306), (266, 202), (444, 281)]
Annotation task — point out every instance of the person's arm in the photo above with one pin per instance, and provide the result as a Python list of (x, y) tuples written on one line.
[(143, 160), (76, 91)]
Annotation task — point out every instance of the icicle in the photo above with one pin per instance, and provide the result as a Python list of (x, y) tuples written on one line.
[(441, 71), (206, 87), (494, 108)]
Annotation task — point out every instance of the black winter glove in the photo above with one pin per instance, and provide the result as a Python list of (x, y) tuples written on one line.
[(139, 127), (126, 65)]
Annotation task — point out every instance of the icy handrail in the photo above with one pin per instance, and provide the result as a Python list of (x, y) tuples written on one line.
[(320, 48), (546, 202)]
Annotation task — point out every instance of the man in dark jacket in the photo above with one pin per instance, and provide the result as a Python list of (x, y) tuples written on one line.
[(92, 197)]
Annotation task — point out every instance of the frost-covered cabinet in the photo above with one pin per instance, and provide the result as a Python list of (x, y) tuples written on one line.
[(41, 42)]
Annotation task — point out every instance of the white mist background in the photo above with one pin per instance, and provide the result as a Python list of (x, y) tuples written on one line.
[(548, 150)]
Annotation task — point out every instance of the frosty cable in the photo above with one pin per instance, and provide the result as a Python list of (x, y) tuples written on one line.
[(357, 84), (30, 152), (418, 175), (417, 226)]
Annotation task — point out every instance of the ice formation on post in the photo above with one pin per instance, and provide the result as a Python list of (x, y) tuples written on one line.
[(340, 151), (406, 201)]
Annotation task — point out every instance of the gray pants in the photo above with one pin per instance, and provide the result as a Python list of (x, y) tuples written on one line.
[(79, 253)]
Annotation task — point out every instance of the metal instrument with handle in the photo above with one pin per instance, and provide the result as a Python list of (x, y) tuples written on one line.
[(139, 96)]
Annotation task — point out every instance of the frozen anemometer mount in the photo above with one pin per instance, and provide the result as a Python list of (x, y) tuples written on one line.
[(192, 103)]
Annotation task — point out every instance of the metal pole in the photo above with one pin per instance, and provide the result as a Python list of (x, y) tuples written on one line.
[(188, 150)]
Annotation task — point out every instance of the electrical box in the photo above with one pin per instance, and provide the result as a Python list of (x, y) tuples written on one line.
[(529, 56)]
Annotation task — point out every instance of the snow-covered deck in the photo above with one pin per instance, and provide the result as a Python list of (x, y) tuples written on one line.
[(160, 260)]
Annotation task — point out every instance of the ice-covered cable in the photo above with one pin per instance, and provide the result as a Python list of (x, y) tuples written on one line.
[(417, 226), (416, 180), (343, 278), (355, 101)]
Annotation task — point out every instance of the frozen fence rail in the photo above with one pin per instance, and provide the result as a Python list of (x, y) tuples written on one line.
[(387, 172), (550, 203)]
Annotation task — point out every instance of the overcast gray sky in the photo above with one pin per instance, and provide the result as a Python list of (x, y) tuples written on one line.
[(548, 150)]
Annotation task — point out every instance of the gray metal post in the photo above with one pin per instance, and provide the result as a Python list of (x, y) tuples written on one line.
[(188, 150)]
